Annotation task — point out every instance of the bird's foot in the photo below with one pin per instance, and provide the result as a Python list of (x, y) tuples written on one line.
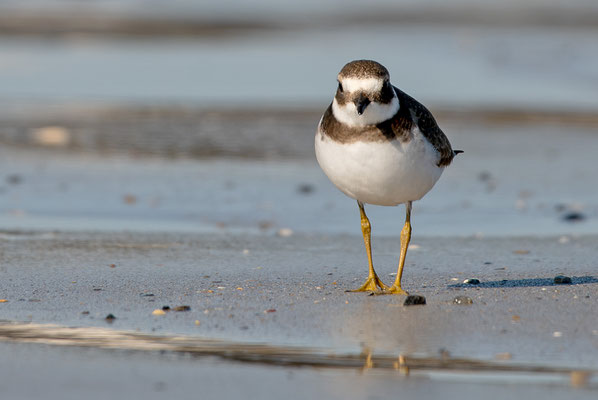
[(395, 289), (372, 284)]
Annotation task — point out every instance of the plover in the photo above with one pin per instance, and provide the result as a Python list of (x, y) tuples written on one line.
[(380, 146)]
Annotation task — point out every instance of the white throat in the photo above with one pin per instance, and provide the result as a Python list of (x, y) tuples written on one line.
[(373, 114)]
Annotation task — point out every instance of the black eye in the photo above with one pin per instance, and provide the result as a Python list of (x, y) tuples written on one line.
[(340, 87)]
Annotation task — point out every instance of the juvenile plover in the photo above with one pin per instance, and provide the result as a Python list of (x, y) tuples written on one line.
[(380, 146)]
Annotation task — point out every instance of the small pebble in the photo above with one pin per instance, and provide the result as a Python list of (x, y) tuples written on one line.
[(182, 308), (305, 188), (285, 232), (414, 300), (573, 216), (157, 311), (579, 379), (564, 239), (271, 310), (14, 179), (166, 308), (472, 281), (562, 279), (520, 252), (503, 356), (129, 199), (110, 318), (463, 300)]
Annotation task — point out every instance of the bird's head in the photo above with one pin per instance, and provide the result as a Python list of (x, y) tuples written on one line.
[(364, 95)]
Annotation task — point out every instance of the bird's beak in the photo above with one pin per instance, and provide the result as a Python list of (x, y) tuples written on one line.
[(361, 103)]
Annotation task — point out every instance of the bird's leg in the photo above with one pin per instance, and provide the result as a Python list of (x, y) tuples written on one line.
[(373, 282), (405, 238)]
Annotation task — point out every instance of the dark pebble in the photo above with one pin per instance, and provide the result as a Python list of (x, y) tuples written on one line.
[(463, 300), (182, 308), (146, 294), (472, 281), (562, 279), (573, 216), (166, 308), (14, 179), (305, 188), (414, 300), (484, 176), (110, 317)]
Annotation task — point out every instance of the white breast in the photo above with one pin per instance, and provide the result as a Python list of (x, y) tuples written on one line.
[(382, 173)]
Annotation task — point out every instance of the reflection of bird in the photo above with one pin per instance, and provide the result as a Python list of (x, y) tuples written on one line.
[(380, 146)]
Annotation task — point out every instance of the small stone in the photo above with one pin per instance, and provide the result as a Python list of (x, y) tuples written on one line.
[(472, 281), (521, 252), (146, 294), (305, 188), (285, 232), (463, 300), (166, 308), (110, 318), (57, 136), (484, 176), (414, 300), (14, 179), (3, 301), (129, 199), (579, 379), (182, 308), (271, 310), (503, 356), (157, 311), (562, 279), (197, 322), (573, 216), (85, 312)]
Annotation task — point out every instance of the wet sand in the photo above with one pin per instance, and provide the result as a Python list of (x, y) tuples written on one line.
[(290, 292), (131, 184)]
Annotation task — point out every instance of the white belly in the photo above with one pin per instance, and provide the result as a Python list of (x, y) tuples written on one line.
[(381, 173)]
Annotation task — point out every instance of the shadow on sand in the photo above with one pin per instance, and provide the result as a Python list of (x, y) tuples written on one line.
[(533, 282)]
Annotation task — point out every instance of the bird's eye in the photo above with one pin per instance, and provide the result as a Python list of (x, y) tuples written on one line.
[(340, 87)]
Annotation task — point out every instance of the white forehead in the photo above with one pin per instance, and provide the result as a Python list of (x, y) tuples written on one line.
[(362, 84)]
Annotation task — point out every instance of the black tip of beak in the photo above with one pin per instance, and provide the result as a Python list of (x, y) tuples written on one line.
[(361, 103)]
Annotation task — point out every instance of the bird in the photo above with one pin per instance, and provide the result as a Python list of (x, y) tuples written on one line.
[(380, 146)]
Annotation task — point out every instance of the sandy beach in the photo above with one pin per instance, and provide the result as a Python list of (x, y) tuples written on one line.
[(165, 229)]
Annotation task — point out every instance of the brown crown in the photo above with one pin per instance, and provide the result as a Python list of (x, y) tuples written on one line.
[(364, 69)]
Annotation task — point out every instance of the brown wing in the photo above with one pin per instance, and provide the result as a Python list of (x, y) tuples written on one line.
[(428, 127)]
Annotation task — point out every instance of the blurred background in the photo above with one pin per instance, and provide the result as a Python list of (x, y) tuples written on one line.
[(199, 116)]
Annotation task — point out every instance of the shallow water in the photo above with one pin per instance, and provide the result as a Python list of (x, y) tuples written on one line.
[(452, 63)]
